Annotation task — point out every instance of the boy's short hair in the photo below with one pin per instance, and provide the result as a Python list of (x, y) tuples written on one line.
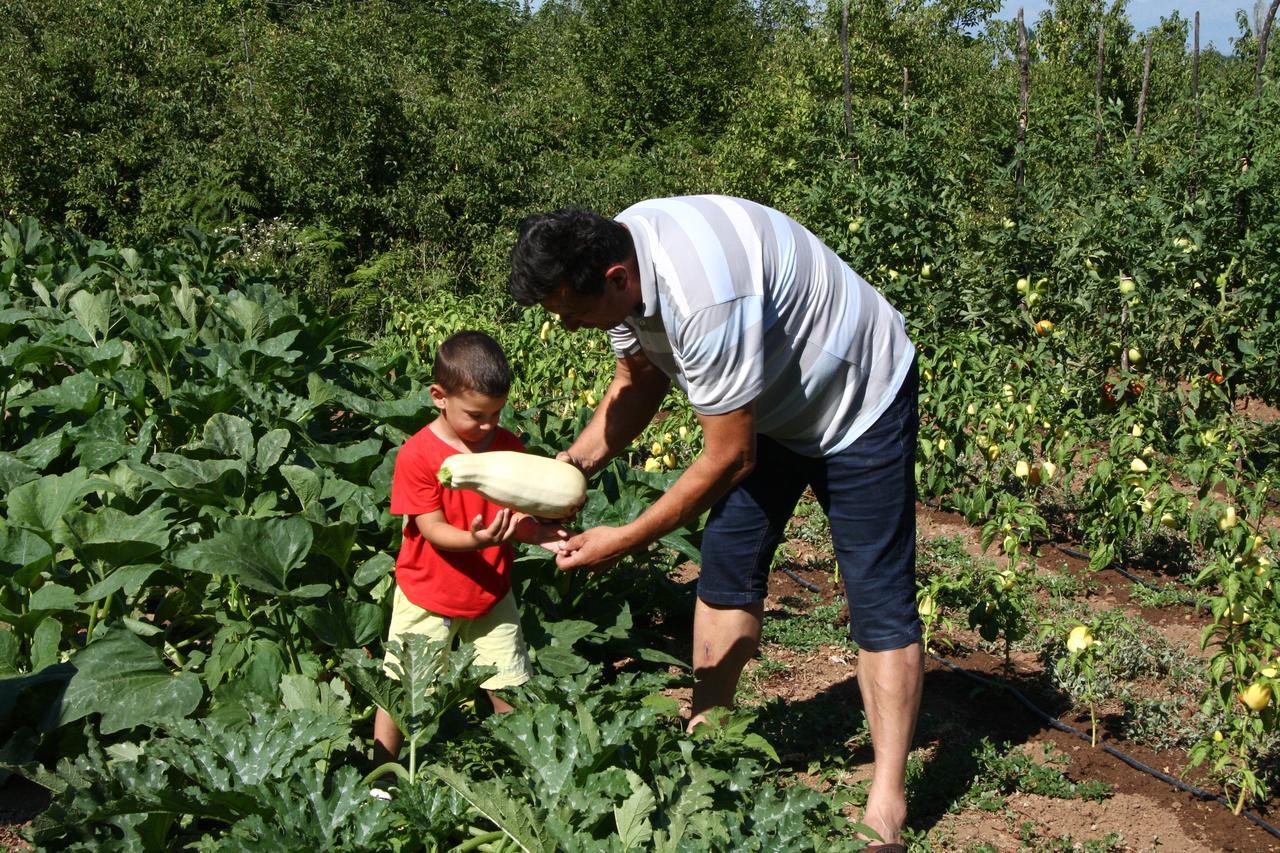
[(565, 248), (472, 361)]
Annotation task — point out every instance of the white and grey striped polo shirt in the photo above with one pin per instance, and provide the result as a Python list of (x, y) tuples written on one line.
[(742, 303)]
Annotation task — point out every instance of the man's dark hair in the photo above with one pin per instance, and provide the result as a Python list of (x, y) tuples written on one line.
[(472, 361), (565, 248)]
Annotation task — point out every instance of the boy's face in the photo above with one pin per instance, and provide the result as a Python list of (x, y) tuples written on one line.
[(470, 414)]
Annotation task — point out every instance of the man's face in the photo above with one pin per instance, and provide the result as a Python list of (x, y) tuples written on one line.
[(604, 310)]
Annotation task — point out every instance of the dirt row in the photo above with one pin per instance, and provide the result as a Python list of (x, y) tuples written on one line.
[(1143, 813)]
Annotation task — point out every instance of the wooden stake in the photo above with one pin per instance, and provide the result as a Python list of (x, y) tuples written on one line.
[(906, 83), (848, 90), (1262, 46), (1024, 73), (1195, 79), (1142, 98), (1097, 91), (1195, 103)]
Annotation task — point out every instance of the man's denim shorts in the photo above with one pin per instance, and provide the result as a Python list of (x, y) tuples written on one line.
[(868, 493)]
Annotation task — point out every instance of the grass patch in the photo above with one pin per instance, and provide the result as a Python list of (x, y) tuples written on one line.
[(805, 629), (1003, 770)]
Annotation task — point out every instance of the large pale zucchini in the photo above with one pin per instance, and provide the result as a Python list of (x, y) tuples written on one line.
[(531, 484)]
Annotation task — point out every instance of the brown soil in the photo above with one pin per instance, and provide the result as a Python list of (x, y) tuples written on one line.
[(20, 802), (1251, 407), (811, 712)]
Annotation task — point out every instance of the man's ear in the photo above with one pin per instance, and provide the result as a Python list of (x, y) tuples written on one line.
[(617, 275)]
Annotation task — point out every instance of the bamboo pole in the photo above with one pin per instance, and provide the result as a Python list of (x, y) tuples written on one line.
[(1097, 91), (1024, 73)]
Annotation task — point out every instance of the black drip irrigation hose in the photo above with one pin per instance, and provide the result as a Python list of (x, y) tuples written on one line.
[(804, 583), (1121, 570), (1053, 722)]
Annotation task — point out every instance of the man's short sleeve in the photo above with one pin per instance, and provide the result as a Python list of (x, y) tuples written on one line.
[(721, 355), (624, 341), (414, 487)]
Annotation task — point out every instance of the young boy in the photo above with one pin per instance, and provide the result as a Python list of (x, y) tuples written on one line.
[(453, 575)]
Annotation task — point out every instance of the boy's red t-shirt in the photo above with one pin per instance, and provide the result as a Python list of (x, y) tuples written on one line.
[(450, 583)]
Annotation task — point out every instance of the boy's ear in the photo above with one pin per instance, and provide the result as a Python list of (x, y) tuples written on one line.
[(438, 396)]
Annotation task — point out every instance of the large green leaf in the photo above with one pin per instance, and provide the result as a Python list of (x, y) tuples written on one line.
[(515, 818), (228, 435), (79, 392), (119, 538), (210, 482), (40, 452), (260, 553), (406, 414), (429, 680), (270, 448), (632, 817), (342, 623), (41, 504), (124, 679), (127, 578), (353, 461), (306, 483), (14, 472), (28, 554), (102, 439)]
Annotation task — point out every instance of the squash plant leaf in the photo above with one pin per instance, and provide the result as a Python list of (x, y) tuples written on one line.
[(123, 679), (228, 436), (118, 538), (514, 818), (14, 472), (79, 392), (270, 448), (632, 817), (24, 554), (93, 312), (314, 810), (260, 553), (41, 504)]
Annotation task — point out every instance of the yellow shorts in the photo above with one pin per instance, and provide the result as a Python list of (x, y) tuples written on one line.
[(496, 636)]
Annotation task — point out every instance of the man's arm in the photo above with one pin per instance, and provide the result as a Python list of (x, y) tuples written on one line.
[(630, 402), (729, 451)]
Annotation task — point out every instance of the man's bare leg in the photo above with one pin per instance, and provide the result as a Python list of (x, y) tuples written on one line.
[(890, 683), (724, 639)]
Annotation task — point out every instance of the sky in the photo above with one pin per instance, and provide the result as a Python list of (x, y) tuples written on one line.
[(1217, 17)]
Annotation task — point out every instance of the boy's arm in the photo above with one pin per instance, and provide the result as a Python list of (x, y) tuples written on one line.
[(445, 537)]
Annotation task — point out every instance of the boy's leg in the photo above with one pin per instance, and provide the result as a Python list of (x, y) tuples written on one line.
[(387, 739), (406, 618), (500, 643), (500, 705)]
